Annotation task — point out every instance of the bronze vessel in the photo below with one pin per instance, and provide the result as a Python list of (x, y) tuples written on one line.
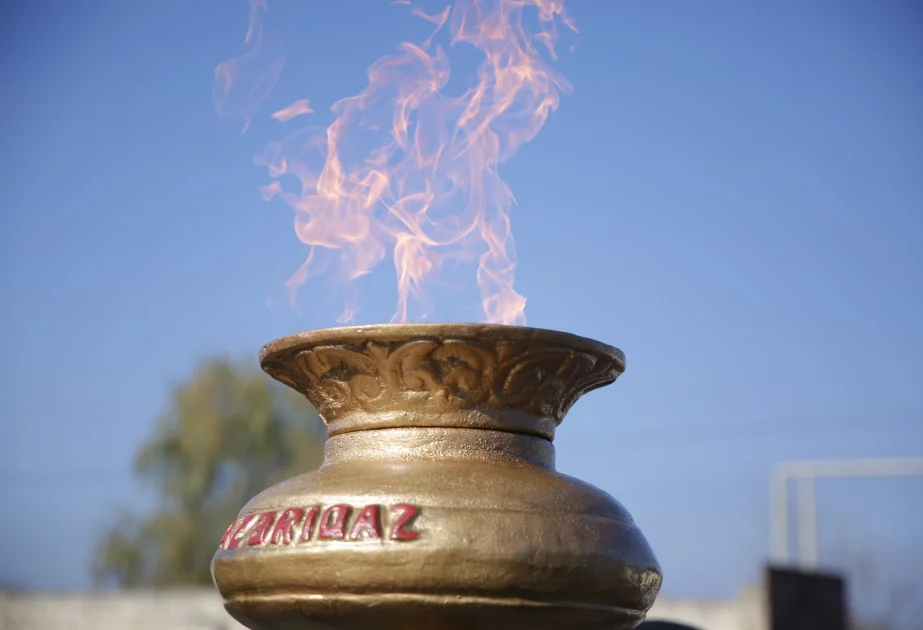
[(437, 505)]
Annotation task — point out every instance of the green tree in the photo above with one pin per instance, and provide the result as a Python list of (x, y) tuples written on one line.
[(228, 433)]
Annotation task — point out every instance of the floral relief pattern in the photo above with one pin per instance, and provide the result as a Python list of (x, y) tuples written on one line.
[(449, 374)]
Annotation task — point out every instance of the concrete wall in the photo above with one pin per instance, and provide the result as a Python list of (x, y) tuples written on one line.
[(202, 610), (703, 614), (142, 610)]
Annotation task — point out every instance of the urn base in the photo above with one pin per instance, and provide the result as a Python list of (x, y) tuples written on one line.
[(400, 611)]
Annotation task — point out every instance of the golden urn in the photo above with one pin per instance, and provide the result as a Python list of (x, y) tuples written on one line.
[(437, 505)]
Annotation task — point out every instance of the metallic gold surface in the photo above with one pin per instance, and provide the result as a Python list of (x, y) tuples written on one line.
[(437, 505)]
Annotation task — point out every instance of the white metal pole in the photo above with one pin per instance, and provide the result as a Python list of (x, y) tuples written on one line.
[(807, 524), (778, 524)]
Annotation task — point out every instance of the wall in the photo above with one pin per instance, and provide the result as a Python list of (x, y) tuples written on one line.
[(142, 610), (202, 610), (704, 614)]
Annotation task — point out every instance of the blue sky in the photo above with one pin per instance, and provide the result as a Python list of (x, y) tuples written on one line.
[(733, 195)]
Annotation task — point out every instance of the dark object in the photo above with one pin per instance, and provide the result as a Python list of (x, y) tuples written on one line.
[(664, 625), (801, 600)]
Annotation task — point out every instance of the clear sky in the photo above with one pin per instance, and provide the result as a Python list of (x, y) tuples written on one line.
[(733, 195)]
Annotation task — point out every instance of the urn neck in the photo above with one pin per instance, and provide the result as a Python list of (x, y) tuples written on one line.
[(419, 416), (438, 443)]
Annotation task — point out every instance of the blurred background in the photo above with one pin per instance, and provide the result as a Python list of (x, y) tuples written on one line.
[(732, 194)]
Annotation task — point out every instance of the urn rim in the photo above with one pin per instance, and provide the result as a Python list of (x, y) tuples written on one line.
[(400, 331), (462, 375)]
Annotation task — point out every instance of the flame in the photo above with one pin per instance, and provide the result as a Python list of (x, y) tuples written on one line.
[(298, 108), (427, 189), (242, 84)]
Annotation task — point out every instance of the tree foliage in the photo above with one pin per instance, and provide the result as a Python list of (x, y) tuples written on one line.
[(229, 432)]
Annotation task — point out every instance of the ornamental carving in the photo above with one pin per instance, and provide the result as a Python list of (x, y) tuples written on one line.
[(537, 375)]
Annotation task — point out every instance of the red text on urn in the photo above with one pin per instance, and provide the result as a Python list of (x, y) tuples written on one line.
[(298, 526)]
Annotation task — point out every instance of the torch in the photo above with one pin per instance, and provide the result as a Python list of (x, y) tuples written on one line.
[(437, 505)]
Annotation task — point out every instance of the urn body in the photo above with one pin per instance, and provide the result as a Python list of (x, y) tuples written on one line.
[(438, 504)]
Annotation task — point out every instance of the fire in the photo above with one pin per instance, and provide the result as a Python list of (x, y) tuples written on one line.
[(295, 109), (243, 83), (425, 187)]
